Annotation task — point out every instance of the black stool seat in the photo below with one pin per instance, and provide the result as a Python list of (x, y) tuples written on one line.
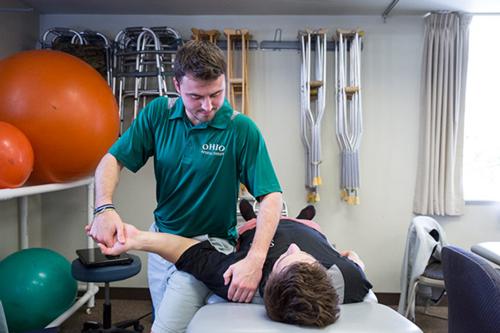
[(105, 273)]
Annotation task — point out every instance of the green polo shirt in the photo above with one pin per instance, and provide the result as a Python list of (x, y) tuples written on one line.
[(198, 168)]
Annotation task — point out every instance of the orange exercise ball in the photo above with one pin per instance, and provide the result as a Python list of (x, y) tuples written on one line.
[(16, 156), (64, 107)]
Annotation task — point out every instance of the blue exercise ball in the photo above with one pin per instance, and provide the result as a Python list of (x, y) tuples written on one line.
[(36, 286)]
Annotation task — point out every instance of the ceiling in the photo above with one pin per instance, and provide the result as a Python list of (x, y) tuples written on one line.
[(248, 7)]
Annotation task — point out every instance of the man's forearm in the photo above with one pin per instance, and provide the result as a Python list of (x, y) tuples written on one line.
[(267, 221), (106, 178)]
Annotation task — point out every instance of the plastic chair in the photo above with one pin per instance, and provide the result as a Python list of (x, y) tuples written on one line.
[(473, 288), (421, 270), (432, 277), (107, 274)]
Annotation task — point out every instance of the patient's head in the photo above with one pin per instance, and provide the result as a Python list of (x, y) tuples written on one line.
[(298, 291)]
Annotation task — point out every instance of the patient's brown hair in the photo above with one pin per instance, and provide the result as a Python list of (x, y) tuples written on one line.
[(302, 294)]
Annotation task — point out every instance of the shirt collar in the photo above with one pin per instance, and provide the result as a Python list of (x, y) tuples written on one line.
[(220, 121), (177, 110)]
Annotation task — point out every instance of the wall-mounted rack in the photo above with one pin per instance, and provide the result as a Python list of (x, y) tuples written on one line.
[(252, 45), (290, 45)]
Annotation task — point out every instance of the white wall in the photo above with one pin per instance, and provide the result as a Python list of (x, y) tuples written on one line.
[(376, 229), (18, 31)]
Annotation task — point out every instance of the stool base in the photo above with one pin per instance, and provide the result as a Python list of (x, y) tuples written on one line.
[(121, 327)]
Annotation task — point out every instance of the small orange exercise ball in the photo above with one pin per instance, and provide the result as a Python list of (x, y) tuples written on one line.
[(16, 156), (64, 107)]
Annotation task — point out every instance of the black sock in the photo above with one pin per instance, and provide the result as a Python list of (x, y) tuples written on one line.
[(307, 213), (246, 210)]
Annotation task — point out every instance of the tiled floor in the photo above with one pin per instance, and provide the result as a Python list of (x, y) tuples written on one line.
[(129, 309)]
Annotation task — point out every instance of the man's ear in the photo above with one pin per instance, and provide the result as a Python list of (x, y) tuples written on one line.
[(177, 85)]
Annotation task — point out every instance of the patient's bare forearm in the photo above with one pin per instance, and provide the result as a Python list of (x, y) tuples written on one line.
[(168, 246)]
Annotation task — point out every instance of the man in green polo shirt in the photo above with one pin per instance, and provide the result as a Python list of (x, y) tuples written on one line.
[(202, 150)]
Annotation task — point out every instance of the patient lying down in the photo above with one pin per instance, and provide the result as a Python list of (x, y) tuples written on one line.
[(304, 278)]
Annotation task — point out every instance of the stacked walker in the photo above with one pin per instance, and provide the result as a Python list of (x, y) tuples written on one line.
[(143, 66)]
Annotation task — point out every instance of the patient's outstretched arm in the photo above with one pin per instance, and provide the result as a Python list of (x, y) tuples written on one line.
[(169, 246)]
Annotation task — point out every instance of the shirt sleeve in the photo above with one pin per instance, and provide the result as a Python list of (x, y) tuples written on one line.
[(136, 145), (208, 265), (356, 284), (255, 167)]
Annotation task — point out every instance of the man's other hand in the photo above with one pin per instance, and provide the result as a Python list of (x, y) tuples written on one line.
[(244, 276)]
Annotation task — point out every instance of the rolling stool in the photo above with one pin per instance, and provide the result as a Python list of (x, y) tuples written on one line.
[(107, 274)]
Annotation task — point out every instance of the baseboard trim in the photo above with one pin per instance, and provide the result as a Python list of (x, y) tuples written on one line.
[(388, 298), (392, 299)]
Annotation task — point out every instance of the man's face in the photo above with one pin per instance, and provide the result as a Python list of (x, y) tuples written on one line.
[(202, 99), (293, 255)]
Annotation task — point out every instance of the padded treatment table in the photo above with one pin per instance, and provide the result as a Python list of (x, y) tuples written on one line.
[(488, 250), (251, 318)]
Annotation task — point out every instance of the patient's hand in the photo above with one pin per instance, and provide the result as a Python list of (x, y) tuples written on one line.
[(131, 235), (354, 257)]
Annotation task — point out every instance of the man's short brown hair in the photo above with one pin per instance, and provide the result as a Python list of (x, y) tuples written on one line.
[(200, 59), (302, 294)]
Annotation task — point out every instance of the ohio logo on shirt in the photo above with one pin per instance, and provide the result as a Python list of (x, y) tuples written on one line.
[(213, 149)]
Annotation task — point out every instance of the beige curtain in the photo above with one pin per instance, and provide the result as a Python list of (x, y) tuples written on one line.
[(439, 178)]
